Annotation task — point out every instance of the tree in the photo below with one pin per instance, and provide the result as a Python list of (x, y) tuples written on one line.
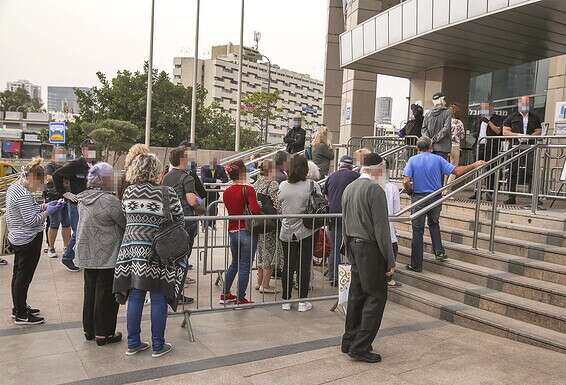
[(114, 135), (19, 100), (261, 106)]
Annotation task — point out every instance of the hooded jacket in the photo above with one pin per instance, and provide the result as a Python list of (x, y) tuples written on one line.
[(100, 229), (437, 125)]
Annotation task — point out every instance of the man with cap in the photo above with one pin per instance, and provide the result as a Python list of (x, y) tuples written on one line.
[(423, 175), (368, 246), (437, 125), (333, 189)]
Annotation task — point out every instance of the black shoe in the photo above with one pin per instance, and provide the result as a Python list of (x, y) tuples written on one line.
[(440, 256), (70, 266), (29, 320), (185, 300), (368, 357), (190, 267), (409, 267), (29, 309), (89, 337), (117, 337), (346, 349)]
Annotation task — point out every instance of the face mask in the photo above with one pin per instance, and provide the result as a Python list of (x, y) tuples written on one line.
[(91, 154), (484, 113), (525, 109), (60, 157)]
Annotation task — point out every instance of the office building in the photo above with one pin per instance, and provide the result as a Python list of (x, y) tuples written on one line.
[(33, 90), (383, 110), (299, 93), (63, 99)]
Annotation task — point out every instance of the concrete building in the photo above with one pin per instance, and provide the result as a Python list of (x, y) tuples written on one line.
[(383, 110), (33, 90), (63, 99), (299, 93)]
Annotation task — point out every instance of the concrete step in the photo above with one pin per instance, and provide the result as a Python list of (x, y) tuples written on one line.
[(477, 319), (506, 282), (503, 244), (526, 267), (526, 310)]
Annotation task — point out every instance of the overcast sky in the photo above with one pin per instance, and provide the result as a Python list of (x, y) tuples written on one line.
[(65, 42)]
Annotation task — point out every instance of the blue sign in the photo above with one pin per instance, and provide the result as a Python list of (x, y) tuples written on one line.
[(310, 110), (57, 132)]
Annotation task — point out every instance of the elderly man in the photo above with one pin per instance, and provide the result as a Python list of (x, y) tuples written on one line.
[(522, 123), (437, 125), (368, 244), (423, 175)]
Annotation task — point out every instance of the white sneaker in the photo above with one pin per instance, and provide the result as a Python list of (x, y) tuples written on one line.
[(305, 306), (51, 253), (286, 306)]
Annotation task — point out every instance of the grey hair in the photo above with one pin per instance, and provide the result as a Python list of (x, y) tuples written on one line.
[(144, 169), (97, 173), (424, 143)]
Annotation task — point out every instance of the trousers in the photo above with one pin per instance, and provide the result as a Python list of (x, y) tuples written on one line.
[(367, 296), (99, 307), (134, 314), (298, 258), (26, 258)]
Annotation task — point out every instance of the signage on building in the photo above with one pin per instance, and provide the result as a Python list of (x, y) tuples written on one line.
[(348, 113), (57, 132), (31, 138), (310, 110), (560, 119)]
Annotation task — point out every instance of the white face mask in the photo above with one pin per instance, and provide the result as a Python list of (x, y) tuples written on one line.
[(91, 154)]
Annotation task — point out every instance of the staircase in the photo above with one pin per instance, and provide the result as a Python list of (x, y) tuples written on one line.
[(518, 292)]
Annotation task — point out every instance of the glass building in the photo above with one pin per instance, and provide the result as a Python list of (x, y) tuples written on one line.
[(63, 99)]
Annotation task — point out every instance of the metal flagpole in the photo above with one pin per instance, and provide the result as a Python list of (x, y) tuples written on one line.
[(195, 82), (149, 79), (240, 69)]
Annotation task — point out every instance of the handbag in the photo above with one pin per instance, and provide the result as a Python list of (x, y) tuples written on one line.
[(316, 204), (260, 226), (171, 242), (321, 248)]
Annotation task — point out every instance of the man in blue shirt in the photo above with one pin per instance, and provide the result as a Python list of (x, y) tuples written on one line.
[(423, 175)]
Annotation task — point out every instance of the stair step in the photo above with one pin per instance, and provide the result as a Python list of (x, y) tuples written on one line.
[(510, 283), (522, 309), (477, 319)]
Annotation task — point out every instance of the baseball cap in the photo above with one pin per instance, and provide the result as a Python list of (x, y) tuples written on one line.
[(437, 96), (347, 160), (372, 159)]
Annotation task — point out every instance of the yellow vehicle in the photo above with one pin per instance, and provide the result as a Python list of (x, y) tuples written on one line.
[(7, 169)]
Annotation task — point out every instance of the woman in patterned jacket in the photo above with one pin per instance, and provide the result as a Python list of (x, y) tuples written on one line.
[(137, 272)]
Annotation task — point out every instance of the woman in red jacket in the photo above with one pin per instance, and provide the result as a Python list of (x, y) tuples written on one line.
[(242, 244)]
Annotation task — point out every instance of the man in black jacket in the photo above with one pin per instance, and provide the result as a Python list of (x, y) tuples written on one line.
[(213, 173), (295, 137), (75, 172)]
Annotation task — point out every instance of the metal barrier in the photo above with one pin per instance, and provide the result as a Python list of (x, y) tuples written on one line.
[(249, 153)]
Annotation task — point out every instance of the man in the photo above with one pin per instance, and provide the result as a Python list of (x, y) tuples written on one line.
[(295, 137), (213, 173), (184, 186), (368, 243), (488, 124), (393, 207), (334, 189), (437, 125), (281, 165), (61, 217), (423, 175), (192, 170), (76, 173), (522, 123)]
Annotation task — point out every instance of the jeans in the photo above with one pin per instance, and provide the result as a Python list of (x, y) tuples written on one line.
[(69, 253), (335, 256), (60, 218), (298, 258), (136, 299), (418, 224), (100, 309), (26, 258), (243, 247)]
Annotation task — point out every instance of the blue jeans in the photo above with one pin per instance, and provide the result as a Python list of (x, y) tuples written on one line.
[(136, 299), (69, 253), (335, 256), (418, 224), (60, 218), (243, 247)]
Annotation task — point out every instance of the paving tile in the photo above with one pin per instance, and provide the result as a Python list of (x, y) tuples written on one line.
[(45, 370), (34, 345)]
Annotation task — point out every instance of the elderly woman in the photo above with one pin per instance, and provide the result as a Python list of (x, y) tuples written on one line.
[(137, 271), (133, 152), (25, 220), (322, 153), (99, 235)]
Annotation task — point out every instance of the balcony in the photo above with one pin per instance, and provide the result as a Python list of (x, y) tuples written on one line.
[(479, 35)]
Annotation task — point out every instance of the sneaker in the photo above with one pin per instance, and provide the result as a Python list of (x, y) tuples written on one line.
[(305, 306), (51, 253), (185, 300), (286, 306), (394, 283), (30, 310), (226, 299), (143, 346), (440, 256), (70, 266), (29, 320), (243, 301), (167, 348), (3, 262), (411, 268)]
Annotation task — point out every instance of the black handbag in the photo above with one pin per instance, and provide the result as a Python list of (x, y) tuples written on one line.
[(260, 226), (171, 242), (316, 204)]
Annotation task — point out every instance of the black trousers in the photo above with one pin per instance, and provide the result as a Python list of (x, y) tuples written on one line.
[(521, 172), (26, 258), (367, 296), (298, 258), (99, 307)]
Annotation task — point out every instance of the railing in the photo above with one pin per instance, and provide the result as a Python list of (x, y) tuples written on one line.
[(249, 153)]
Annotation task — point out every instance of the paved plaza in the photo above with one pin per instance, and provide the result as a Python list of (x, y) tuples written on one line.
[(257, 346)]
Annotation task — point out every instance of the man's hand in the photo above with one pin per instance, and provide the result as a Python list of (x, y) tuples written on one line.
[(70, 197), (479, 163), (390, 272)]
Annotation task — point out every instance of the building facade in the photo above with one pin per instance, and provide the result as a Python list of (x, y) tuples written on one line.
[(298, 93), (63, 99), (383, 110), (33, 90)]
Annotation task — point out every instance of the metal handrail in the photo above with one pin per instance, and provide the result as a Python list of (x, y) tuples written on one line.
[(248, 153)]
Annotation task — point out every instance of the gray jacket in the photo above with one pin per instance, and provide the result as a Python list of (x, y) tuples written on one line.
[(322, 154), (437, 125), (294, 198), (100, 230)]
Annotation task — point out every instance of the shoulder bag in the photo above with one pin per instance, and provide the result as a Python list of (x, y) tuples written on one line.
[(316, 204), (260, 226)]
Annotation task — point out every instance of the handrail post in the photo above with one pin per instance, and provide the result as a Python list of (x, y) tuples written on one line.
[(536, 180), (477, 215), (494, 213)]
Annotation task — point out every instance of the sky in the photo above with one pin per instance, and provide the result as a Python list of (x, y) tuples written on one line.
[(65, 42)]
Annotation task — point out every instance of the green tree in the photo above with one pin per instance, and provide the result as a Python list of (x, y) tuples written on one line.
[(262, 106), (19, 100), (114, 135)]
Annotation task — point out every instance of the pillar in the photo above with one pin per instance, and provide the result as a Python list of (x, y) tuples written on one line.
[(453, 82)]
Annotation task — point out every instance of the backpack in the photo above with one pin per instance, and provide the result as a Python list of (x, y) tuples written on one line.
[(316, 204)]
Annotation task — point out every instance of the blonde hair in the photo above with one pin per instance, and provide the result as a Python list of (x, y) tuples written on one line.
[(145, 168), (34, 168), (135, 150), (321, 136)]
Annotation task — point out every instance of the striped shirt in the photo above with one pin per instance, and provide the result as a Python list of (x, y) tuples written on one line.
[(24, 216)]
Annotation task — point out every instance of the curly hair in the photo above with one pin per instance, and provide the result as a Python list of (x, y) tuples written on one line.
[(34, 168), (145, 168), (135, 150)]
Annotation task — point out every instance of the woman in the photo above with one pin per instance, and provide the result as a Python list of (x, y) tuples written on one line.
[(137, 272), (243, 244), (294, 195), (270, 252), (133, 152), (322, 154), (25, 220), (99, 235), (457, 136)]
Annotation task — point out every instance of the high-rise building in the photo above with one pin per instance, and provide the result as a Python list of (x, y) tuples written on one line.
[(33, 90), (383, 110), (63, 99), (299, 93)]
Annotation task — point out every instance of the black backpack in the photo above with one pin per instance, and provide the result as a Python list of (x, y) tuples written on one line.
[(261, 226)]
